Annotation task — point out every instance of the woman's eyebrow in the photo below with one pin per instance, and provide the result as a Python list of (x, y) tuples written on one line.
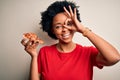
[(58, 23)]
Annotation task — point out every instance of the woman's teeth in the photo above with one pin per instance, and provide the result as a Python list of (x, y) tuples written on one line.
[(66, 35)]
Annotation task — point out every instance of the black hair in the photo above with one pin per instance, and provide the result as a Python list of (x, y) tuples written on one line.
[(52, 10)]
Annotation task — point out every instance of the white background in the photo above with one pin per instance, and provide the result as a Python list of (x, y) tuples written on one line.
[(19, 16)]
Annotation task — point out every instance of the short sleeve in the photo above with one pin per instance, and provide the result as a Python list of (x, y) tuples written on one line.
[(94, 53)]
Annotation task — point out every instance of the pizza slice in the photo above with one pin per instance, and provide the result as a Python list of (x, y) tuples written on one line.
[(33, 37)]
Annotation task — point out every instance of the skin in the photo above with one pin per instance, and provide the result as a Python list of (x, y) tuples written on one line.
[(64, 26), (62, 33)]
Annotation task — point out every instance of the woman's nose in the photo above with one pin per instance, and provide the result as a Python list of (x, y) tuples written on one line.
[(64, 28)]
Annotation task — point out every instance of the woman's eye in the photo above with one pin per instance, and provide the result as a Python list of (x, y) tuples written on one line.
[(69, 23), (58, 27)]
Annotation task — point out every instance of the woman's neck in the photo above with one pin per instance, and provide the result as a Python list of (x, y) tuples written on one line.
[(66, 47)]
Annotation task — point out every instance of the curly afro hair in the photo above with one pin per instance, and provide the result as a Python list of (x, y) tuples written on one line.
[(52, 10)]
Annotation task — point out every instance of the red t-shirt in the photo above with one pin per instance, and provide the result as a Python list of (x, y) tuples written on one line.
[(75, 65)]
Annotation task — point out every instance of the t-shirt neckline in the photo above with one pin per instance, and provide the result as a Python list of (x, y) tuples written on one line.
[(65, 53)]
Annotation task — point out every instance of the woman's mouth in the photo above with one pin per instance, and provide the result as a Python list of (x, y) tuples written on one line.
[(67, 35)]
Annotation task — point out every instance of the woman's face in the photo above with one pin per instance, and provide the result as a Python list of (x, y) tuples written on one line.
[(62, 33)]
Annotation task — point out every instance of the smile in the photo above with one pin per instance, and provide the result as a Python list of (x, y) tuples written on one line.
[(66, 35)]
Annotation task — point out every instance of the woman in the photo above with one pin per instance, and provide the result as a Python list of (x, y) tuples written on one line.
[(67, 60)]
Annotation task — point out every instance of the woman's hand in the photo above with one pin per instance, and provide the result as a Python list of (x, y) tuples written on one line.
[(73, 16), (30, 47)]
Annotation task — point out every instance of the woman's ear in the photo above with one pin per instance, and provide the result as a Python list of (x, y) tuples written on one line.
[(52, 31)]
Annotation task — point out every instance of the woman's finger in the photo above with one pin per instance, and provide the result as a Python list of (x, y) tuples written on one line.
[(68, 13), (71, 12), (67, 20), (75, 15), (29, 43), (35, 44), (70, 28), (23, 42), (69, 24)]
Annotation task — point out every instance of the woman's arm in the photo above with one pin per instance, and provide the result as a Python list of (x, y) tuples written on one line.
[(108, 54), (30, 48), (34, 75)]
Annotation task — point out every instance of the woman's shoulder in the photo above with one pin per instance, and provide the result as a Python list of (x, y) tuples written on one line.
[(85, 47), (48, 47)]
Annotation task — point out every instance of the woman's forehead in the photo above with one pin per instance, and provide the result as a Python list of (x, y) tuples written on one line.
[(60, 18)]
